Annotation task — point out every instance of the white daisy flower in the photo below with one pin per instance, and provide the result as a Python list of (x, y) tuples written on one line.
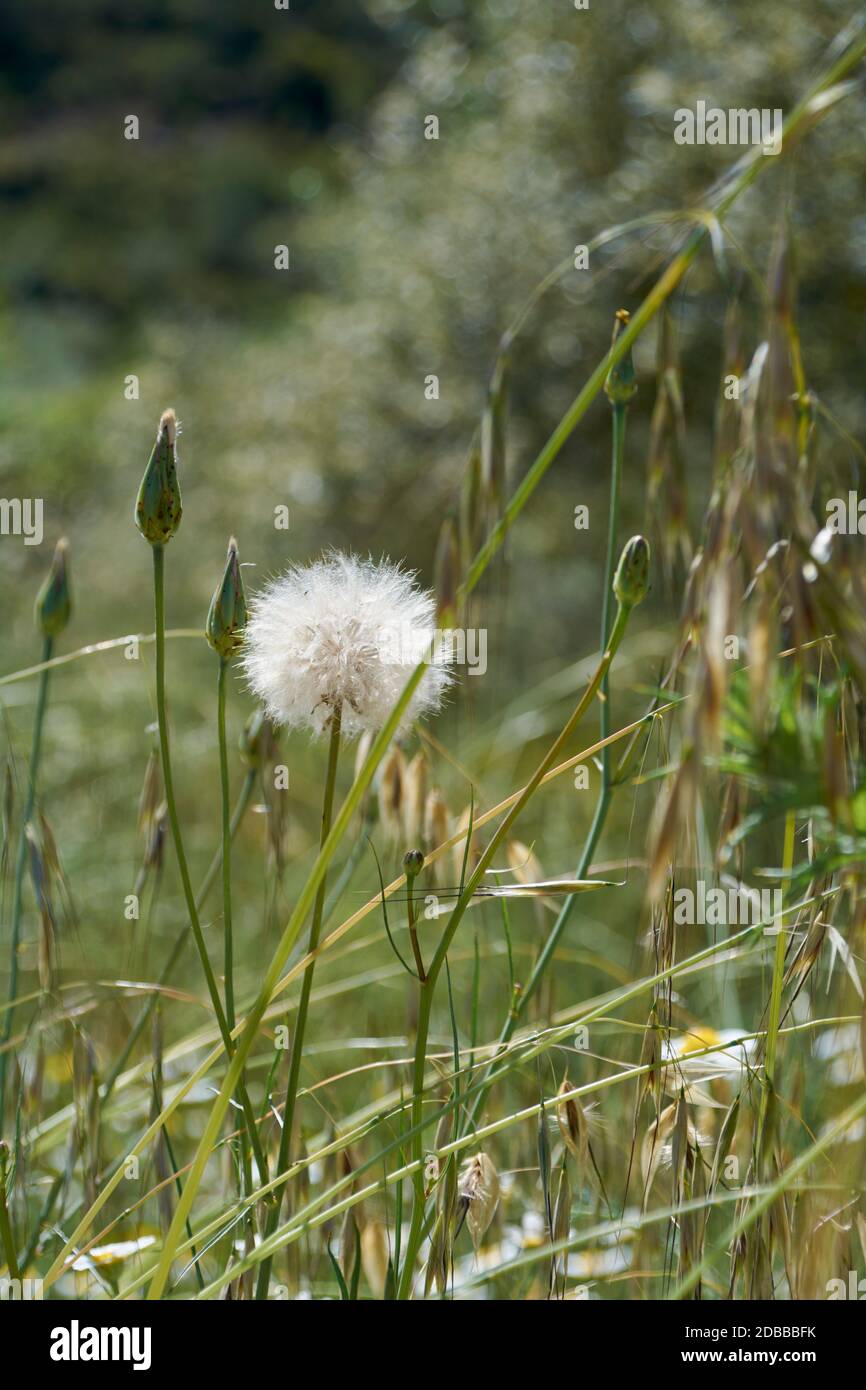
[(342, 632), (682, 1069)]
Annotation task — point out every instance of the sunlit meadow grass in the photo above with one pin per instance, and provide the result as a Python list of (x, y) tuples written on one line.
[(412, 1058)]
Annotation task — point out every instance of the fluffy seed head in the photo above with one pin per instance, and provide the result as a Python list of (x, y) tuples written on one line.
[(341, 632)]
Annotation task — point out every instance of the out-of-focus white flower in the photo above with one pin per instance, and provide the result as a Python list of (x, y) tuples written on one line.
[(841, 1048), (684, 1069), (113, 1254), (341, 632)]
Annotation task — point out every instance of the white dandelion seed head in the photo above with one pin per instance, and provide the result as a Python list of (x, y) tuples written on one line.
[(344, 632)]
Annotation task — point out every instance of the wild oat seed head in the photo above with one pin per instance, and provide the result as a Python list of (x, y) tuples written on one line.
[(345, 632)]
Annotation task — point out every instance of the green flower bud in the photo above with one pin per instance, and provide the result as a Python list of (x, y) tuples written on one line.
[(227, 617), (53, 602), (620, 384), (631, 580), (413, 863), (158, 508)]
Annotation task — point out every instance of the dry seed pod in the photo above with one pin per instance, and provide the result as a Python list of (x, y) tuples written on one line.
[(41, 877), (659, 1141), (374, 1256), (442, 1236), (479, 1195), (349, 1239), (151, 795), (436, 830), (365, 743), (572, 1125), (415, 796), (562, 1218), (392, 786)]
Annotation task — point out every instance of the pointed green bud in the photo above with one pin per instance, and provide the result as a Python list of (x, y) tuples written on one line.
[(631, 581), (227, 617), (620, 383), (413, 863), (158, 508), (53, 602)]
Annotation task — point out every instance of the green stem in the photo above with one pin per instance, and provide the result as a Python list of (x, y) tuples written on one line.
[(284, 1157), (21, 859), (228, 968), (429, 985), (413, 929), (174, 821)]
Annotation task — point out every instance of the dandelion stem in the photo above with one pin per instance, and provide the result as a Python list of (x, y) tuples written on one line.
[(174, 821), (18, 888), (284, 1156), (228, 968)]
